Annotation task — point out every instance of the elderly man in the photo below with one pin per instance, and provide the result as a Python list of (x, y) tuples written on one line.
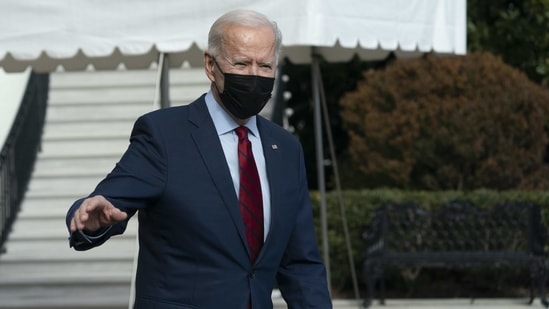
[(220, 192)]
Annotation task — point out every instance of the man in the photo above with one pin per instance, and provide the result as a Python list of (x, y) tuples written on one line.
[(215, 231)]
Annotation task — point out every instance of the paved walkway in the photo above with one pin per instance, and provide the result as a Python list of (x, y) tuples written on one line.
[(459, 303)]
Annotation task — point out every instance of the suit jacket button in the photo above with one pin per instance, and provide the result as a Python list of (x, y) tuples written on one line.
[(252, 274)]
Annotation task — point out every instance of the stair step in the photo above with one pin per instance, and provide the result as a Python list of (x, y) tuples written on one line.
[(102, 79), (54, 207), (188, 78), (73, 167), (102, 96), (84, 148), (30, 229), (98, 112), (52, 186), (87, 129), (51, 272), (66, 296), (186, 95), (47, 208), (35, 251), (71, 195), (38, 229)]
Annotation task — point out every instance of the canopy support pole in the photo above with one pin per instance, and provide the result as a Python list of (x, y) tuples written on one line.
[(337, 179), (315, 74), (165, 81), (321, 109)]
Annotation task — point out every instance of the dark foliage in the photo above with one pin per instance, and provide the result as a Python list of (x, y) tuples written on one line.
[(436, 123), (515, 30)]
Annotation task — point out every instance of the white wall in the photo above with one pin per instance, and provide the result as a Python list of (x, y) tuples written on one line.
[(12, 89)]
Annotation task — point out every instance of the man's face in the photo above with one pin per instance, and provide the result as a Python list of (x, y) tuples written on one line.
[(246, 51)]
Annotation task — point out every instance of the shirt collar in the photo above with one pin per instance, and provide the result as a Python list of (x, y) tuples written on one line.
[(222, 120)]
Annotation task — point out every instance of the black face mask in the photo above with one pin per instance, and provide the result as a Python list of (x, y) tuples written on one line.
[(245, 95)]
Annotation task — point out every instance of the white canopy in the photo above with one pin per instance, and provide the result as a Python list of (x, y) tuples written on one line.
[(46, 34)]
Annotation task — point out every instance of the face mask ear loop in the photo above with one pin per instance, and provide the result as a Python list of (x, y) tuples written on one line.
[(221, 71), (217, 65)]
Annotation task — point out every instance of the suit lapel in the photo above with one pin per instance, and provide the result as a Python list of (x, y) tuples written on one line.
[(207, 142), (274, 173)]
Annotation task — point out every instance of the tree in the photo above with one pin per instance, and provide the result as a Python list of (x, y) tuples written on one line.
[(516, 30), (436, 123)]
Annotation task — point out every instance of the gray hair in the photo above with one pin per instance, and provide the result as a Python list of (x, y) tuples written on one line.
[(246, 18)]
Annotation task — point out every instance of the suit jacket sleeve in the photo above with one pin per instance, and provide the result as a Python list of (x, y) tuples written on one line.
[(137, 179), (302, 276)]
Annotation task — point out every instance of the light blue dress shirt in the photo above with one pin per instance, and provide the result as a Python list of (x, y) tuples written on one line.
[(225, 126)]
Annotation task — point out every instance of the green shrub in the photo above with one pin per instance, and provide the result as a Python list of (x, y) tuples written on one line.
[(445, 123)]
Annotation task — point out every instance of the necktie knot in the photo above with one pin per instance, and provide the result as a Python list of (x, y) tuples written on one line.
[(241, 132)]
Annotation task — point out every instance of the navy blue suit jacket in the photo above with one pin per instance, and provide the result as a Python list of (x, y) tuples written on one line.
[(193, 250)]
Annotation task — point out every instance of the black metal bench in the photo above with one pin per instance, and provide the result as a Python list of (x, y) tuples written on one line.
[(456, 235)]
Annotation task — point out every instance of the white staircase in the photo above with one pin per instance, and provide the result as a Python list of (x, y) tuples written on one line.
[(89, 119)]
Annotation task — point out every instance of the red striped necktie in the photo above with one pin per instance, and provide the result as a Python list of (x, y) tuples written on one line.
[(251, 202)]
